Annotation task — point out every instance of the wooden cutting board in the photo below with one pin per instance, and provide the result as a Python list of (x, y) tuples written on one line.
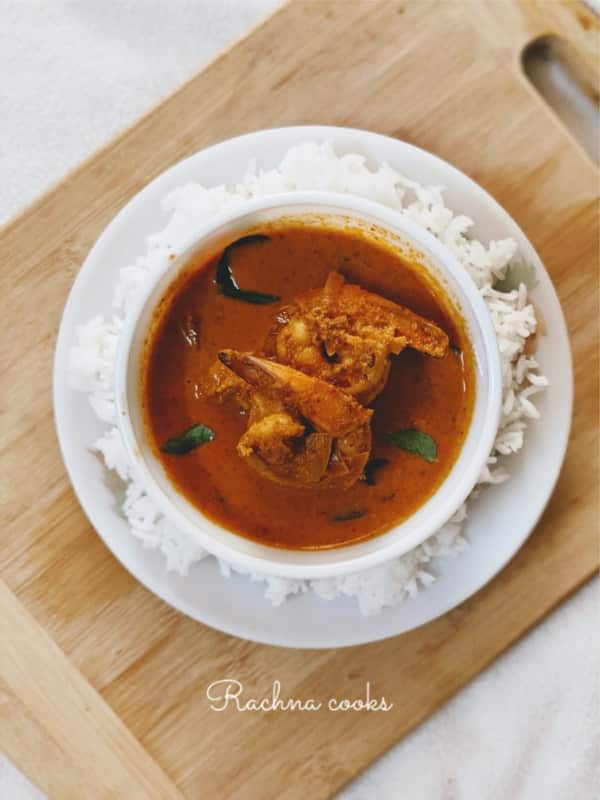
[(102, 686)]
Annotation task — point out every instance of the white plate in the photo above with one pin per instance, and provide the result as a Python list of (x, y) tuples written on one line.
[(499, 521)]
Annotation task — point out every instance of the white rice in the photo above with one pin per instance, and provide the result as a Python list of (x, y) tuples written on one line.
[(316, 166)]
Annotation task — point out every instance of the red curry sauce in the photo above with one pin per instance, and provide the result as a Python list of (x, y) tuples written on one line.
[(432, 395)]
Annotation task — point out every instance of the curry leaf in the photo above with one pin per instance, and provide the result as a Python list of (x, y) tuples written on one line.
[(249, 296), (518, 272), (455, 348), (414, 441), (352, 513), (189, 440), (226, 282), (371, 467)]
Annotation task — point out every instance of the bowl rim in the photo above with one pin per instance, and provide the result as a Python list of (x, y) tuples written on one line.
[(398, 224)]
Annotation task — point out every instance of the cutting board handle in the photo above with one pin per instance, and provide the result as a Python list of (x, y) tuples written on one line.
[(572, 33), (512, 27)]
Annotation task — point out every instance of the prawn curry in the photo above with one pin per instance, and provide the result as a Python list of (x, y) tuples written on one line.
[(308, 387)]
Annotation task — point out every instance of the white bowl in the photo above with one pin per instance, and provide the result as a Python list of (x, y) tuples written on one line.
[(256, 557)]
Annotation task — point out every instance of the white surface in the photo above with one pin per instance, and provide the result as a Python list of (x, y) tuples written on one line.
[(73, 74), (238, 606)]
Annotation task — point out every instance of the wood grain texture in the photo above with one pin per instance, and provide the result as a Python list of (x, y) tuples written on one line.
[(445, 77), (53, 708)]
